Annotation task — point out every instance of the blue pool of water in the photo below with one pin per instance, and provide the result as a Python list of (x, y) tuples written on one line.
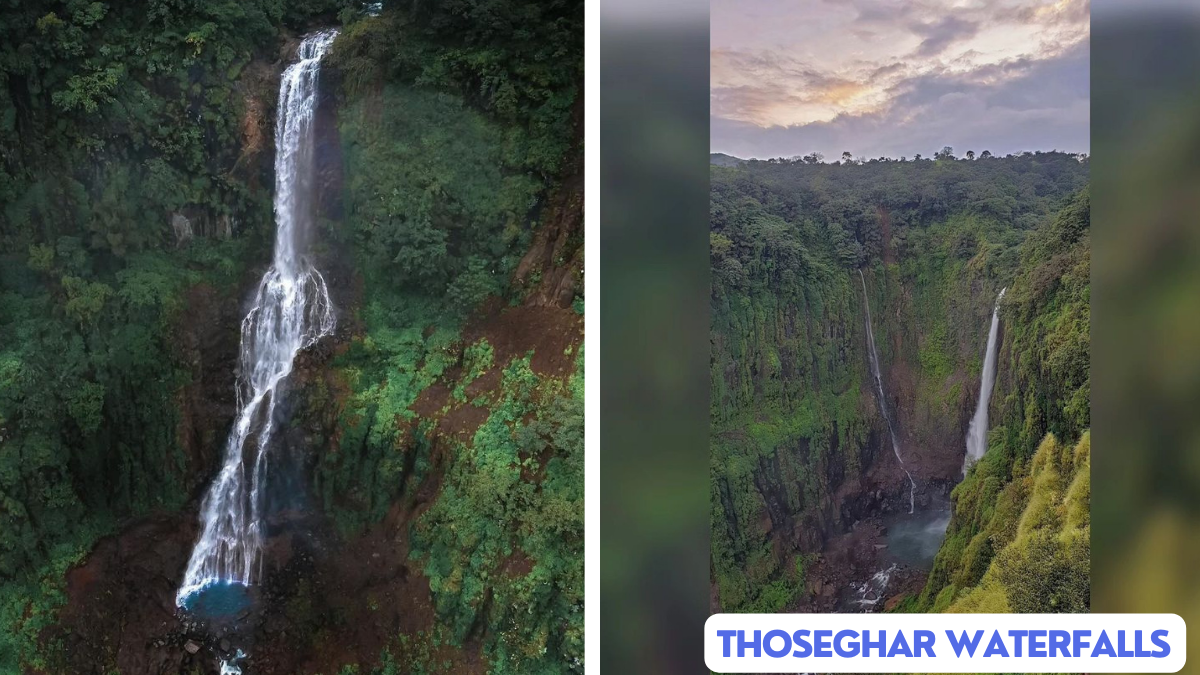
[(217, 599)]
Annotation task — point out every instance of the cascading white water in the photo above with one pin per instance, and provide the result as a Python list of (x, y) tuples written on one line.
[(875, 371), (871, 591), (230, 666), (977, 432), (291, 311)]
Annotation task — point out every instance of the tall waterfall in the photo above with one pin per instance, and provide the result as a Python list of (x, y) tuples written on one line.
[(291, 311), (912, 484), (977, 432)]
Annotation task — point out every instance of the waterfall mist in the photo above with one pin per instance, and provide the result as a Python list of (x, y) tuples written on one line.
[(977, 432), (290, 312), (875, 371)]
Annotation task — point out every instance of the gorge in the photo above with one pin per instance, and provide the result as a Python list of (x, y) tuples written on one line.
[(837, 457)]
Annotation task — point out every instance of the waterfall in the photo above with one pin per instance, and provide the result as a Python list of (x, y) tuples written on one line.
[(977, 432), (912, 485), (291, 311)]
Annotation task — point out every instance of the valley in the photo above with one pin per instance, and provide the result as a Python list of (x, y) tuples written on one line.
[(855, 307)]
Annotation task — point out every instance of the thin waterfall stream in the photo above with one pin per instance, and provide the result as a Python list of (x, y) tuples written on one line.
[(291, 311), (977, 432), (875, 371)]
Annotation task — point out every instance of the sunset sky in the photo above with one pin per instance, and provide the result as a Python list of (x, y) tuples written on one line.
[(897, 78)]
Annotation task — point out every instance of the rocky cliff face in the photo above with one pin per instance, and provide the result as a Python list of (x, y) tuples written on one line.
[(378, 420), (803, 468), (824, 462), (1024, 505)]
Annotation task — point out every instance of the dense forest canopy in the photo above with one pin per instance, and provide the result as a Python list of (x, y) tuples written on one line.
[(795, 422), (135, 183), (1018, 189)]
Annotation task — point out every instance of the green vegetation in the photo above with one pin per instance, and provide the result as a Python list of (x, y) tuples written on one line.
[(386, 369), (440, 214), (113, 118), (480, 95), (503, 544), (516, 60), (1023, 509), (452, 138), (794, 415), (1041, 537), (133, 176)]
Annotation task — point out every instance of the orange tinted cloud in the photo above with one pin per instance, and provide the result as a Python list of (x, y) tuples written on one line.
[(787, 63)]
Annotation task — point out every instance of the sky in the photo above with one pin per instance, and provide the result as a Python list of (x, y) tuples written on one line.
[(894, 78)]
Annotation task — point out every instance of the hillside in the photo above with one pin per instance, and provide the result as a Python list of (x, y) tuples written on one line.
[(810, 500), (426, 474)]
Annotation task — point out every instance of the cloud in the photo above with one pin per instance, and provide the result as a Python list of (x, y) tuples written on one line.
[(887, 77), (885, 71), (752, 86), (1020, 105), (1061, 13), (881, 12), (940, 35)]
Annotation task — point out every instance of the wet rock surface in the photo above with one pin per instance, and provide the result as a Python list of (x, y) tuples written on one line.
[(869, 544)]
